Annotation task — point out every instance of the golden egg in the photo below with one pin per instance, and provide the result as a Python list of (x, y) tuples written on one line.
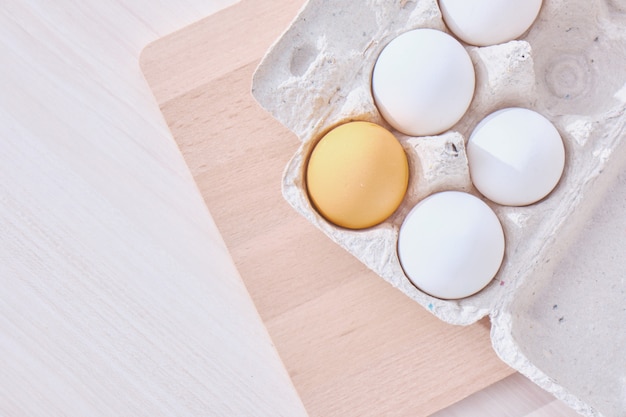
[(357, 175)]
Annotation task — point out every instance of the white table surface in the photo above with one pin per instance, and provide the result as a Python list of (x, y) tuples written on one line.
[(118, 297)]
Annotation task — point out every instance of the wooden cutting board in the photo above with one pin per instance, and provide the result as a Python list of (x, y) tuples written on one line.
[(353, 345)]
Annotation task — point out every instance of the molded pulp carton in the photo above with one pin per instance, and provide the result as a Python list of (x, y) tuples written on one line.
[(557, 305)]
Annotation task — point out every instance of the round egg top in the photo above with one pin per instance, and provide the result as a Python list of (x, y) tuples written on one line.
[(423, 82), (489, 22), (357, 175), (451, 245), (516, 156)]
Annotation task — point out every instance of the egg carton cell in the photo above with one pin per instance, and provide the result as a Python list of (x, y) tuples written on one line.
[(342, 47)]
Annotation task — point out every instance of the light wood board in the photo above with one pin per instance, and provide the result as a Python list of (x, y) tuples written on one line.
[(118, 296), (352, 345)]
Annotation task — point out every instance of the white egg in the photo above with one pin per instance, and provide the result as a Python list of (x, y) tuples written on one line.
[(423, 82), (489, 22), (451, 245), (516, 157)]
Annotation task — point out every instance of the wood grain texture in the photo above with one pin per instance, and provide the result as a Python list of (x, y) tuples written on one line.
[(514, 396), (118, 296), (353, 345)]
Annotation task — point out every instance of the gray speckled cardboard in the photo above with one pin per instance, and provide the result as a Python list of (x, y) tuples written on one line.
[(557, 303)]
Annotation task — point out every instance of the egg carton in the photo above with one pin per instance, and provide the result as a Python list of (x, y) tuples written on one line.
[(571, 68)]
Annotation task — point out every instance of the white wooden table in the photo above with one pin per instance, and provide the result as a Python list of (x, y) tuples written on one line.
[(118, 297)]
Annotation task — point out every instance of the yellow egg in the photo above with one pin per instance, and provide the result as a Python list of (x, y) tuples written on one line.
[(357, 175)]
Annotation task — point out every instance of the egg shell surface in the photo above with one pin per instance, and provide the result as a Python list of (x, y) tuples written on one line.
[(489, 22), (516, 157), (423, 82), (451, 245), (357, 175)]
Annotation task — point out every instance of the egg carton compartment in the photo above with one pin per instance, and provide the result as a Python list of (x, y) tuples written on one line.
[(318, 75), (570, 67), (564, 326)]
